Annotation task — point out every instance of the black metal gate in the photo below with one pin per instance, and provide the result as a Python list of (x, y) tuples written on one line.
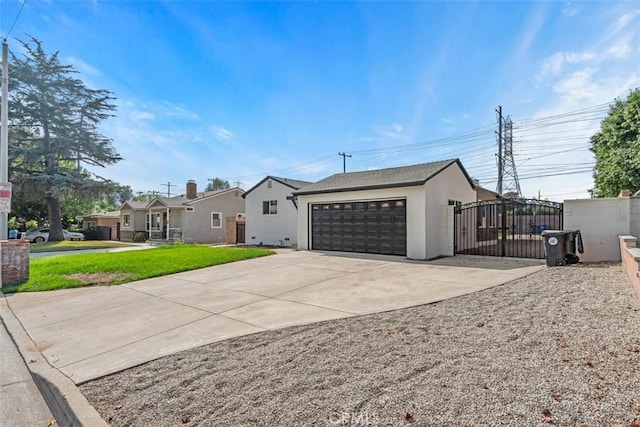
[(505, 227)]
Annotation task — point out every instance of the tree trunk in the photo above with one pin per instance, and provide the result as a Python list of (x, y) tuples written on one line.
[(55, 219)]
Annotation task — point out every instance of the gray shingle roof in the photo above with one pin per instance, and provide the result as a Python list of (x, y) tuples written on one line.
[(136, 204), (403, 176), (295, 184)]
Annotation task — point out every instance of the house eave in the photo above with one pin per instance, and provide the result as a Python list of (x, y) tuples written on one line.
[(362, 188)]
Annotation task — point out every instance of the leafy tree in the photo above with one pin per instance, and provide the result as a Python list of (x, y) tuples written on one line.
[(217, 184), (146, 197), (54, 119), (617, 148)]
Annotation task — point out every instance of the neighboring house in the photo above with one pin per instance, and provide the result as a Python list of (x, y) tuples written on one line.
[(484, 194), (406, 211), (272, 212), (106, 225), (208, 217)]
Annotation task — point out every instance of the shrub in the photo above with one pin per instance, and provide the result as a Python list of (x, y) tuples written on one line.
[(141, 236)]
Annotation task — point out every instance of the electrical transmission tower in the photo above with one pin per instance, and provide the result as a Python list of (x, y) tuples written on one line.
[(508, 183)]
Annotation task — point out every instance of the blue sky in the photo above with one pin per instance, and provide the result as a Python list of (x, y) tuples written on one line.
[(239, 90)]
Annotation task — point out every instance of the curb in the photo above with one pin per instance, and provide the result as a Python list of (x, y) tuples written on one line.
[(68, 406)]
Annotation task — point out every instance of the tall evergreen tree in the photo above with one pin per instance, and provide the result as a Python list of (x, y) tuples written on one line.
[(54, 119)]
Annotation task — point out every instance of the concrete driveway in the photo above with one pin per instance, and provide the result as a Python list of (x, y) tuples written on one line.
[(90, 332)]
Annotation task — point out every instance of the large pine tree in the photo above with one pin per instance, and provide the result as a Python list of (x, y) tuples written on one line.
[(54, 119)]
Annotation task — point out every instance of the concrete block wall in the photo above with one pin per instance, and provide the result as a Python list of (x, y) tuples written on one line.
[(634, 227), (600, 221), (630, 254), (15, 261)]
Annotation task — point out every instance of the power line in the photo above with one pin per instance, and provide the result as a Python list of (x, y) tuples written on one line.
[(169, 185), (534, 133), (15, 20)]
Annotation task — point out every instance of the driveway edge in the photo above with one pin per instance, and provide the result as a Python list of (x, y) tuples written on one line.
[(67, 404)]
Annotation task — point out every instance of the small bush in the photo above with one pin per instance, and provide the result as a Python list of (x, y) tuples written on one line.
[(141, 236)]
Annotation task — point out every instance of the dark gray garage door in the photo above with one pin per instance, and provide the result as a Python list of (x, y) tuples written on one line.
[(377, 227)]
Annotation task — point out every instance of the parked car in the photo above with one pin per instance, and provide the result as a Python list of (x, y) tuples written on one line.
[(39, 235)]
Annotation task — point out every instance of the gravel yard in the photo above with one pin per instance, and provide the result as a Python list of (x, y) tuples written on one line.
[(560, 347)]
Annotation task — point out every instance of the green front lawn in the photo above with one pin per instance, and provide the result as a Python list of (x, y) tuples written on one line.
[(67, 245), (114, 268)]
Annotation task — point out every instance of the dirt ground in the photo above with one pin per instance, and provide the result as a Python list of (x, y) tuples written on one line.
[(560, 347)]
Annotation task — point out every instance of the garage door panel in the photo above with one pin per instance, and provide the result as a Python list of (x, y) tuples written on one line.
[(377, 227)]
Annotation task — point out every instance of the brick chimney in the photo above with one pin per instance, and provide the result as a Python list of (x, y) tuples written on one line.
[(192, 189)]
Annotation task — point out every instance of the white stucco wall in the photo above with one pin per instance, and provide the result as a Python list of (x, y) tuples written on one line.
[(429, 216), (450, 184), (600, 221), (271, 229)]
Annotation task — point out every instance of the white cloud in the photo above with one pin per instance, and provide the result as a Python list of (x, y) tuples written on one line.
[(392, 131), (83, 67), (577, 85), (536, 21), (222, 133), (456, 119), (137, 116), (620, 50), (554, 65), (626, 19), (176, 111), (569, 9)]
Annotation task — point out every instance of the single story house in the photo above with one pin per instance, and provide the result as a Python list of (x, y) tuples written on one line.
[(407, 211), (485, 194), (105, 225), (271, 211), (206, 217)]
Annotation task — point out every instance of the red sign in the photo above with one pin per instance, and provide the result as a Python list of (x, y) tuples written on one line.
[(5, 197)]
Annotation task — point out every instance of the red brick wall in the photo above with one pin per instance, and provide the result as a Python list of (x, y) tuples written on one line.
[(630, 255), (15, 261), (231, 229)]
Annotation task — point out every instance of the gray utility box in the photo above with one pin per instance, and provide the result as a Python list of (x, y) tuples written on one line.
[(561, 246)]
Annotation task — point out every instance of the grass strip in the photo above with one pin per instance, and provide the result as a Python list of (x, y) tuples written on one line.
[(114, 268), (67, 245)]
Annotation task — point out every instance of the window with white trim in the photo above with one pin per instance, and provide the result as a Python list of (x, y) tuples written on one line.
[(270, 207), (216, 220), (126, 220)]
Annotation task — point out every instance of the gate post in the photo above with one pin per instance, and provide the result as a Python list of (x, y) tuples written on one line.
[(503, 227)]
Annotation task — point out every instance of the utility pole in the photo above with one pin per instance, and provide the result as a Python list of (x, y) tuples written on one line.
[(500, 162), (4, 142), (238, 184), (344, 161), (169, 185)]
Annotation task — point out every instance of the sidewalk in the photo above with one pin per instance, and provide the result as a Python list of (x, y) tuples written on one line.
[(21, 405), (136, 247)]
